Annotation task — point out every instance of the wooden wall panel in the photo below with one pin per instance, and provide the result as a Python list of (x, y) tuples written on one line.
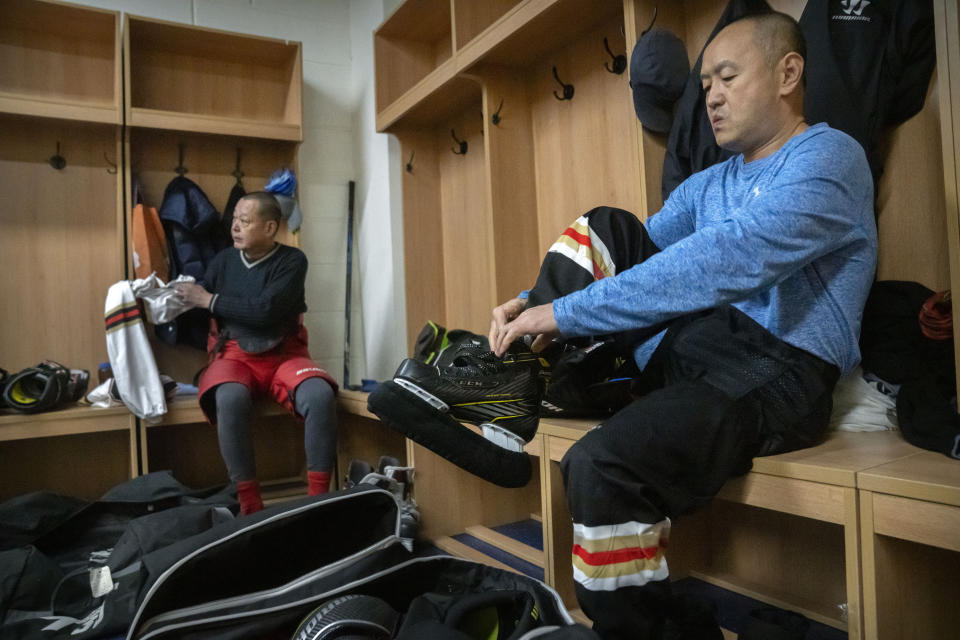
[(793, 559), (213, 87), (471, 17), (192, 453), (365, 439), (916, 590), (84, 465), (911, 220), (467, 242), (422, 232), (451, 499), (513, 203), (59, 241), (585, 155)]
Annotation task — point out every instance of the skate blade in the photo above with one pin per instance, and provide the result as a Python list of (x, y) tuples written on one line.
[(426, 396), (502, 437)]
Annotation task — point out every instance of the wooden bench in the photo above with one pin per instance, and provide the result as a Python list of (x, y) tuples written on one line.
[(790, 533), (816, 486), (83, 451), (910, 533), (80, 451), (174, 442), (864, 519)]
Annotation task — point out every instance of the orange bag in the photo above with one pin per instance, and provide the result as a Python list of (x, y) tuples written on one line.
[(149, 244)]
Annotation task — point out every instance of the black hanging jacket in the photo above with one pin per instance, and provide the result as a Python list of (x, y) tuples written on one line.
[(868, 65), (191, 224)]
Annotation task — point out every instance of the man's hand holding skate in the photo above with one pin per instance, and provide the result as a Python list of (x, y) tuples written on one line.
[(538, 321)]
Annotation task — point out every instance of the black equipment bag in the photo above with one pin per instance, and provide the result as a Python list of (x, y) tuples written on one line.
[(44, 387), (72, 569), (259, 576)]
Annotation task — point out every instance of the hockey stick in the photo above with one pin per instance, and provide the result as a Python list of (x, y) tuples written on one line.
[(346, 324)]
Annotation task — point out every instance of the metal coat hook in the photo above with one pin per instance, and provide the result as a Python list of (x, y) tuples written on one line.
[(567, 88), (113, 165), (57, 161), (462, 143), (650, 26), (619, 61), (180, 169), (495, 118), (410, 162), (236, 172)]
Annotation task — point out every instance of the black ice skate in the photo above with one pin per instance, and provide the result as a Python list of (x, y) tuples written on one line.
[(501, 396)]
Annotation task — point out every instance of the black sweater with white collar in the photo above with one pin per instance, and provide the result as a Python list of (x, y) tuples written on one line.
[(258, 303)]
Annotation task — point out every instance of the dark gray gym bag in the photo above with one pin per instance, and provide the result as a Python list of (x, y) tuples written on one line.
[(271, 570)]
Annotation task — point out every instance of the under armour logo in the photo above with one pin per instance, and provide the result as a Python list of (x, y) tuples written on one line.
[(854, 7)]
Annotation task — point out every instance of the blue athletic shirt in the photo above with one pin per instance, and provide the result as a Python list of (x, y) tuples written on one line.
[(789, 239)]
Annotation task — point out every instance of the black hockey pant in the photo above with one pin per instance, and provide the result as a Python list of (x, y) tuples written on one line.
[(730, 391)]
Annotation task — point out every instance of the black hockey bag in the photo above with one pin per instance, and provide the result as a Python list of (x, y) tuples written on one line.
[(72, 569), (333, 565)]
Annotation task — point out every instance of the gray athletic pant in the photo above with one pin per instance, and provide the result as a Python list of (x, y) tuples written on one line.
[(313, 401)]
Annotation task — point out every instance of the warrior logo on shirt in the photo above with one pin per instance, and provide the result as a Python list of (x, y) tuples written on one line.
[(853, 10), (854, 6)]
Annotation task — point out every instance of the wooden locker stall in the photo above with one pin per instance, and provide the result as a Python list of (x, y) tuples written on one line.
[(61, 235), (217, 104), (791, 533)]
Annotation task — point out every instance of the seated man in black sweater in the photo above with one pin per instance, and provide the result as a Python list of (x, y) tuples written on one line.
[(255, 291)]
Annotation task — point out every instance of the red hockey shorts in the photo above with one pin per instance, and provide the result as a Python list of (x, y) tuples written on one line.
[(276, 372)]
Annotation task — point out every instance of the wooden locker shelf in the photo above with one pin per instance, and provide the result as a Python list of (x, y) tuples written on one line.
[(474, 18), (66, 421), (534, 28), (59, 60), (412, 44), (210, 81), (198, 123), (65, 110)]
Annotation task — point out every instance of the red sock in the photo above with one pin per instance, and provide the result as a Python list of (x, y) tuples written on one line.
[(318, 482), (248, 492)]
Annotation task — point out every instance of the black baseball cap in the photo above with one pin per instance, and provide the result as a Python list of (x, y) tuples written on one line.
[(658, 73)]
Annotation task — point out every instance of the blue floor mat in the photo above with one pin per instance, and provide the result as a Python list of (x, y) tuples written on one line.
[(496, 553), (529, 532)]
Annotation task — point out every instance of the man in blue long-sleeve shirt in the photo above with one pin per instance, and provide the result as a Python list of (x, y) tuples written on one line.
[(753, 288)]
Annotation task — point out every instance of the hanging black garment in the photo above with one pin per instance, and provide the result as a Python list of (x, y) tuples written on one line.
[(691, 146), (236, 193), (891, 341), (868, 65), (927, 411), (895, 348), (191, 224)]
